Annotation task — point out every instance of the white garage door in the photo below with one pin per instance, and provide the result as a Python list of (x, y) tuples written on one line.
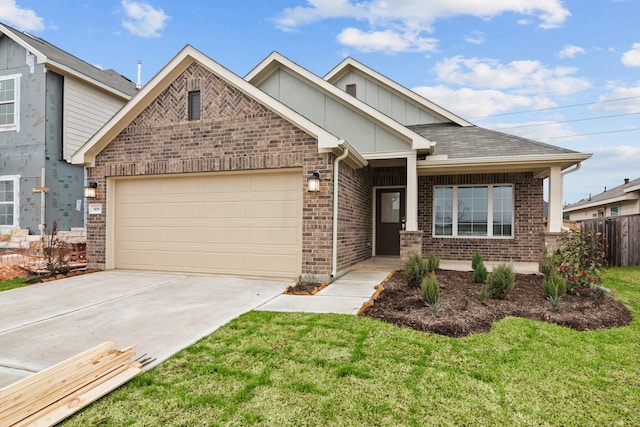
[(223, 224)]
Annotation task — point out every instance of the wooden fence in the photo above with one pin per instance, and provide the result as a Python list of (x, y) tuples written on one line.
[(622, 238)]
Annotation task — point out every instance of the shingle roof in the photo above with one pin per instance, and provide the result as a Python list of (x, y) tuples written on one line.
[(459, 142), (110, 78), (612, 193)]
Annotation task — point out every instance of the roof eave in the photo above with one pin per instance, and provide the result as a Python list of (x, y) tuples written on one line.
[(603, 202), (538, 164), (65, 70)]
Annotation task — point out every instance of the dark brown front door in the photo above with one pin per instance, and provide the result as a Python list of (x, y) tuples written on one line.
[(390, 214)]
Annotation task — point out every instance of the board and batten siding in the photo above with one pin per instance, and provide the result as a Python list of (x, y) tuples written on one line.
[(384, 100), (86, 110), (362, 133)]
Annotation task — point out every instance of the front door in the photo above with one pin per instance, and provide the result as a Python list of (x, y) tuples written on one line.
[(390, 216)]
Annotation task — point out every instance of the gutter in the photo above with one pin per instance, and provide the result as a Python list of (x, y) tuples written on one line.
[(336, 176)]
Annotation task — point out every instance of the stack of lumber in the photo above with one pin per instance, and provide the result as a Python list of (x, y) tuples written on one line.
[(51, 395)]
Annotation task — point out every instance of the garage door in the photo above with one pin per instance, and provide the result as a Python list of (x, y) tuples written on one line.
[(223, 224)]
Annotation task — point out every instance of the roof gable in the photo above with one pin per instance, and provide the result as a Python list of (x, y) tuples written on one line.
[(64, 63), (350, 65), (160, 82), (276, 62)]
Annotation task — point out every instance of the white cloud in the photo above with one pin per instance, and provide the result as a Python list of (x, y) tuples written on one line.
[(21, 18), (631, 58), (476, 37), (470, 103), (570, 51), (142, 19), (527, 77), (413, 17), (622, 99), (386, 41)]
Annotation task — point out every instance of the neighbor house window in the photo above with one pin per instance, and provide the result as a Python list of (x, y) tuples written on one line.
[(473, 211), (615, 210), (9, 200), (194, 105), (9, 102)]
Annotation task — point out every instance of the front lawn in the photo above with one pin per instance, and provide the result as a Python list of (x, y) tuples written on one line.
[(17, 282), (289, 369)]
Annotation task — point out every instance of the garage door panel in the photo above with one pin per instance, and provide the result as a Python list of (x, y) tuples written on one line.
[(224, 209), (229, 224)]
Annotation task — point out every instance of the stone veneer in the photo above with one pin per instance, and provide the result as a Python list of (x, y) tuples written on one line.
[(525, 246), (235, 133)]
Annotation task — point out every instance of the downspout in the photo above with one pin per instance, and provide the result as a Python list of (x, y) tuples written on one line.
[(567, 172), (336, 176)]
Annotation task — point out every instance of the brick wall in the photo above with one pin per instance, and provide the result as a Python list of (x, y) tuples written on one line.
[(234, 133), (411, 242), (355, 216), (527, 244)]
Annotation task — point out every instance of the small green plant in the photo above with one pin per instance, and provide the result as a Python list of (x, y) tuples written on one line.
[(580, 258), (415, 268), (554, 287), (433, 262), (548, 265), (430, 292), (601, 292), (476, 260), (500, 281), (480, 273)]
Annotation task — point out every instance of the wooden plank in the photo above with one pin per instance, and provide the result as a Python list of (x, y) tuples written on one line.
[(83, 397), (41, 395), (77, 374), (11, 389)]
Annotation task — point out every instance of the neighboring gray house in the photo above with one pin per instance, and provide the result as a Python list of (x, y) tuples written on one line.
[(51, 103)]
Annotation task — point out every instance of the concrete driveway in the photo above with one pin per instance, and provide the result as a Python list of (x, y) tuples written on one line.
[(162, 313)]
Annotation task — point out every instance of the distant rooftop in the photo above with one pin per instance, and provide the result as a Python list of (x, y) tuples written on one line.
[(608, 194)]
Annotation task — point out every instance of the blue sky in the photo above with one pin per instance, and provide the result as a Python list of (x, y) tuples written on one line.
[(561, 72)]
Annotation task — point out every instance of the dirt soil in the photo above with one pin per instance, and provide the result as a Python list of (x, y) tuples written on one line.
[(461, 313)]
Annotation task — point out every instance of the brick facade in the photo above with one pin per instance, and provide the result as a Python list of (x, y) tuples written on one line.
[(355, 232), (235, 133), (527, 244)]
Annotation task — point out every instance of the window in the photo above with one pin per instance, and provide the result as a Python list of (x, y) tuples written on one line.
[(615, 210), (9, 201), (194, 105), (9, 102), (351, 89), (473, 211)]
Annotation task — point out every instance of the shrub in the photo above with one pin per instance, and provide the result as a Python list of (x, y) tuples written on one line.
[(548, 266), (476, 260), (480, 273), (554, 287), (433, 262), (415, 268), (500, 281), (579, 260), (430, 292), (55, 252)]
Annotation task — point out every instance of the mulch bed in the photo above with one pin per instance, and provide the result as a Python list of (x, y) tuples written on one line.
[(305, 288), (461, 313)]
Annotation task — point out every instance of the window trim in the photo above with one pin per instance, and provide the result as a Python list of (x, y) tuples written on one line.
[(16, 200), (454, 219), (617, 208), (15, 126), (190, 109)]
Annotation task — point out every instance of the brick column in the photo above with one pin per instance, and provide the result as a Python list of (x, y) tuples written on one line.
[(551, 241), (410, 243)]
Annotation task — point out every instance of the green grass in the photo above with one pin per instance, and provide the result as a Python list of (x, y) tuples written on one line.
[(18, 282), (289, 369)]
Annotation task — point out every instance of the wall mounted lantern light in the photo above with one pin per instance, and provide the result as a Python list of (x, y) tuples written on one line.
[(90, 190), (313, 182)]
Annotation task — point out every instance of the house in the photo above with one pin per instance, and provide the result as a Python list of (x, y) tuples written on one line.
[(617, 201), (50, 104), (283, 173)]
